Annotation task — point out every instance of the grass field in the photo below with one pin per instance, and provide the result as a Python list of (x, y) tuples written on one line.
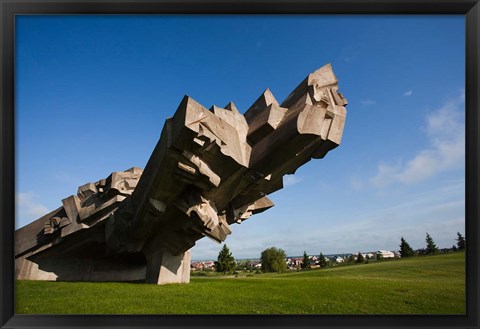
[(419, 285)]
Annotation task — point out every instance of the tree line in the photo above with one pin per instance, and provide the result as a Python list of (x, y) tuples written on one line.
[(431, 247), (274, 259)]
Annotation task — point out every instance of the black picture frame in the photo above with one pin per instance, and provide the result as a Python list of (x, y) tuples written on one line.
[(10, 8)]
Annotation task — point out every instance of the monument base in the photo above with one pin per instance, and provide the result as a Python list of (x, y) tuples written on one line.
[(158, 268), (163, 267)]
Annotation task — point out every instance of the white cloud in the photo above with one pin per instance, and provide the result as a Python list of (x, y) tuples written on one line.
[(445, 131), (356, 183), (408, 93), (28, 208), (438, 210), (289, 180)]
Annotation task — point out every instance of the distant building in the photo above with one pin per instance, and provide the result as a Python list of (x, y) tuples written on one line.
[(208, 265), (355, 256), (296, 262), (338, 259), (386, 254)]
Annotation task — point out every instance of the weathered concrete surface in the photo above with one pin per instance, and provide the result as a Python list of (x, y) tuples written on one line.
[(211, 168), (163, 267)]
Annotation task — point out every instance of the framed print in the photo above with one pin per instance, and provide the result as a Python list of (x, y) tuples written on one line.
[(232, 164)]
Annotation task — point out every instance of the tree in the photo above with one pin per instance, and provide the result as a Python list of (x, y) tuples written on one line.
[(305, 260), (461, 245), (405, 249), (431, 247), (225, 262), (273, 260), (322, 261), (360, 258), (351, 258)]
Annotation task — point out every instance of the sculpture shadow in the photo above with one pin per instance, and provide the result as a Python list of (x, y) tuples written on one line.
[(92, 263)]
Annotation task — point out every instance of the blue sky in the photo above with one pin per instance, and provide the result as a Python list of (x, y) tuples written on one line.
[(93, 92)]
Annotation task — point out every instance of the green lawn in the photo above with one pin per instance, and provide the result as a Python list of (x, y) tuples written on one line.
[(419, 285)]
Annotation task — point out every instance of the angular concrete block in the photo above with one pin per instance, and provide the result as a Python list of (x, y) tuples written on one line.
[(163, 267)]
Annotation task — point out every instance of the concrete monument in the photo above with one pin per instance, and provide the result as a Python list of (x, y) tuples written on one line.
[(210, 169)]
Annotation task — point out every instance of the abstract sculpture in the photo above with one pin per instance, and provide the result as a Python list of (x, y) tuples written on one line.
[(210, 168)]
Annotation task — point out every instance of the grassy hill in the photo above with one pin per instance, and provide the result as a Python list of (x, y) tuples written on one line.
[(419, 285)]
